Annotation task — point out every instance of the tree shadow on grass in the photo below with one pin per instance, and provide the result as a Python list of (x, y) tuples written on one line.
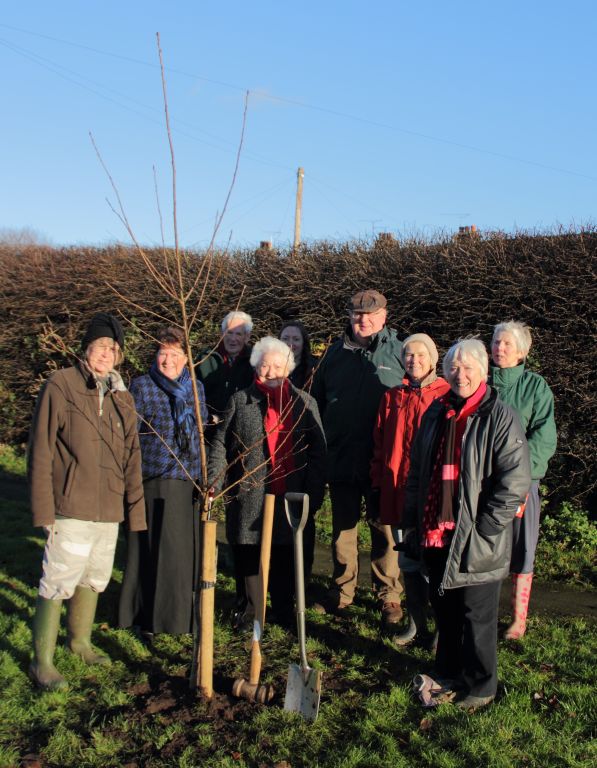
[(13, 487)]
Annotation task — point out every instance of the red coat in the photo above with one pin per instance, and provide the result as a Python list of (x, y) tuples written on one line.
[(398, 418)]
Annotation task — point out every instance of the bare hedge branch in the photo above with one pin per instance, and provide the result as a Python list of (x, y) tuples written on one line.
[(447, 288)]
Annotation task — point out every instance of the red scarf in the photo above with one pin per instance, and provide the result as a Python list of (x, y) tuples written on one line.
[(278, 423), (438, 520)]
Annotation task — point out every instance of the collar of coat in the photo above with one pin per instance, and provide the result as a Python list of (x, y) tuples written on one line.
[(220, 350), (113, 382), (506, 377), (255, 394), (485, 406), (408, 383), (374, 340)]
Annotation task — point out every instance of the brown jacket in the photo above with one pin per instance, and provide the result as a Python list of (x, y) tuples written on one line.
[(85, 463)]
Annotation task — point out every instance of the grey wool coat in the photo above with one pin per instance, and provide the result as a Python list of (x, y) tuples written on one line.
[(239, 457)]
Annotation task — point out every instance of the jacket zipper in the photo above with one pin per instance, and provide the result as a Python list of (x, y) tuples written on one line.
[(363, 357), (100, 410)]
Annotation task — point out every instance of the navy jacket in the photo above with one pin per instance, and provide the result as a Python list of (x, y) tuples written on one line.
[(348, 386)]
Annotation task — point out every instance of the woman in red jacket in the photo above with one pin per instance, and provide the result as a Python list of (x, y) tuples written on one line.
[(398, 419)]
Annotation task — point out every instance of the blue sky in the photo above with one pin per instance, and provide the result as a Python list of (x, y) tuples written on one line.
[(409, 117)]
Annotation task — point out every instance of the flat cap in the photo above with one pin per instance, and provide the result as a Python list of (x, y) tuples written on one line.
[(367, 301)]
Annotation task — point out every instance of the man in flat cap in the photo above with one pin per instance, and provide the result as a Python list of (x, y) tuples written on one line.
[(349, 382)]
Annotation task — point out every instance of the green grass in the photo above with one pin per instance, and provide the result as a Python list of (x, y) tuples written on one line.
[(139, 712), (567, 547)]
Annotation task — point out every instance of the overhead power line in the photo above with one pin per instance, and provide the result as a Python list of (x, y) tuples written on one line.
[(96, 88), (314, 107)]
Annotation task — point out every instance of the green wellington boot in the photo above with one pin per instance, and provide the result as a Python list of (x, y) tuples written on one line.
[(46, 623), (80, 614)]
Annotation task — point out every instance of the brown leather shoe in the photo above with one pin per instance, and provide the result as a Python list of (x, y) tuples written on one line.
[(330, 604), (391, 613)]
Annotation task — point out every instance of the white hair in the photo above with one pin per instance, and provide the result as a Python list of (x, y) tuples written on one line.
[(245, 319), (472, 348), (521, 333), (270, 344)]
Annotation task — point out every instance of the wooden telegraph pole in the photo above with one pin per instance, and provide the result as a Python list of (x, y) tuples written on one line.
[(300, 174)]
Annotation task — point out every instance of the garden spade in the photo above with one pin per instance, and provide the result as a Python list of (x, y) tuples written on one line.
[(303, 688)]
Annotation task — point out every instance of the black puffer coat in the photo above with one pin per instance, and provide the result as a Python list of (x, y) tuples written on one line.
[(240, 445), (495, 476)]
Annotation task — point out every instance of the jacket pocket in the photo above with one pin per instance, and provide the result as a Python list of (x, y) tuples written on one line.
[(69, 478), (117, 438), (486, 553), (116, 485)]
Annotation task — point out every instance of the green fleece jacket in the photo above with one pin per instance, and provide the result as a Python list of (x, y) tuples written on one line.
[(530, 396), (348, 386)]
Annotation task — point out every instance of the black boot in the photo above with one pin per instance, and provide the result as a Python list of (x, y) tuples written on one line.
[(417, 602)]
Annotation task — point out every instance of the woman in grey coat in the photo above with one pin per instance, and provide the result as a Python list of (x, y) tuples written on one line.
[(470, 472), (270, 441)]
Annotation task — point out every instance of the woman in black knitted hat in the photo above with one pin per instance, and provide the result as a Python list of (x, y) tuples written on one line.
[(84, 468)]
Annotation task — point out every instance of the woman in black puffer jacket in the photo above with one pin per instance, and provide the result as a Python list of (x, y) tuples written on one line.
[(470, 472)]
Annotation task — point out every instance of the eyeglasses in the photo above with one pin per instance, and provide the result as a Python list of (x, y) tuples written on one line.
[(104, 348), (358, 315)]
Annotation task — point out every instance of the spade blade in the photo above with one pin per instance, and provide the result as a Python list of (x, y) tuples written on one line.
[(303, 691)]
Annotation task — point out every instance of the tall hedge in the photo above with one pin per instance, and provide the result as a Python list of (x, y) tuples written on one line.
[(447, 288)]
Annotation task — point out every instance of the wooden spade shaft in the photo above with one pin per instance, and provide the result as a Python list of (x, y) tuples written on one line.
[(257, 591)]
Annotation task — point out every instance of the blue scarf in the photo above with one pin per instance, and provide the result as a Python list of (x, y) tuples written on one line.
[(180, 392)]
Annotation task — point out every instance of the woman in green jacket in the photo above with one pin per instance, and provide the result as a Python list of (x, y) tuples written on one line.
[(530, 396)]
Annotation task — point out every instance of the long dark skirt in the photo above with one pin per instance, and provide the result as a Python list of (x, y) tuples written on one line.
[(525, 534), (162, 562), (281, 574)]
